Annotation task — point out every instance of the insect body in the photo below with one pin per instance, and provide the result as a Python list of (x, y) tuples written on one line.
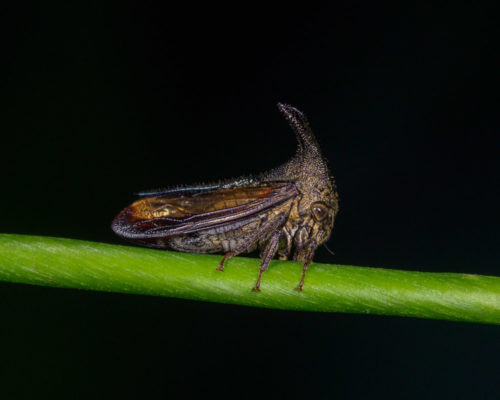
[(288, 210)]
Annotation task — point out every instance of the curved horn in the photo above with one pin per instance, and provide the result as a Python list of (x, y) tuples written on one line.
[(298, 122)]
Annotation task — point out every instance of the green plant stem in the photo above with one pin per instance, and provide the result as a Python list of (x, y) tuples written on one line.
[(96, 266)]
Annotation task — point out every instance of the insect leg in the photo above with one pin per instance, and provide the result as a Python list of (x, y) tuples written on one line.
[(299, 254), (302, 244), (309, 257), (245, 245), (276, 223), (268, 254)]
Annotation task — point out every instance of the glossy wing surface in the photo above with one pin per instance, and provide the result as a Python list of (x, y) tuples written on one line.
[(163, 216)]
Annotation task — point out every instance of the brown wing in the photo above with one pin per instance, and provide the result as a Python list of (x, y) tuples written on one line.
[(163, 216)]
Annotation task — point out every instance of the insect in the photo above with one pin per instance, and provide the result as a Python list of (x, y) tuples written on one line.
[(288, 210)]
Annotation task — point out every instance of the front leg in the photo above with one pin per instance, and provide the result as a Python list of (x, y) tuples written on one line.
[(302, 244), (312, 245)]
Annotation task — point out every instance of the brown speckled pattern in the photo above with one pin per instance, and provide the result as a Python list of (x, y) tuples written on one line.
[(288, 211)]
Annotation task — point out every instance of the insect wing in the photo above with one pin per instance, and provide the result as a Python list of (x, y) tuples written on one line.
[(163, 216)]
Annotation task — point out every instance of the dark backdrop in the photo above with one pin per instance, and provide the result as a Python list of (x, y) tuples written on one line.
[(104, 101)]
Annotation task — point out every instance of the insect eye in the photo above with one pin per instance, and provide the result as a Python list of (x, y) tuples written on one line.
[(319, 211)]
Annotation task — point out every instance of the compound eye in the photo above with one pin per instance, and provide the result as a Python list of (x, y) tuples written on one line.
[(319, 211)]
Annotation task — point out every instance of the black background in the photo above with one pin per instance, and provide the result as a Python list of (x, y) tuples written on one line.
[(104, 101)]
